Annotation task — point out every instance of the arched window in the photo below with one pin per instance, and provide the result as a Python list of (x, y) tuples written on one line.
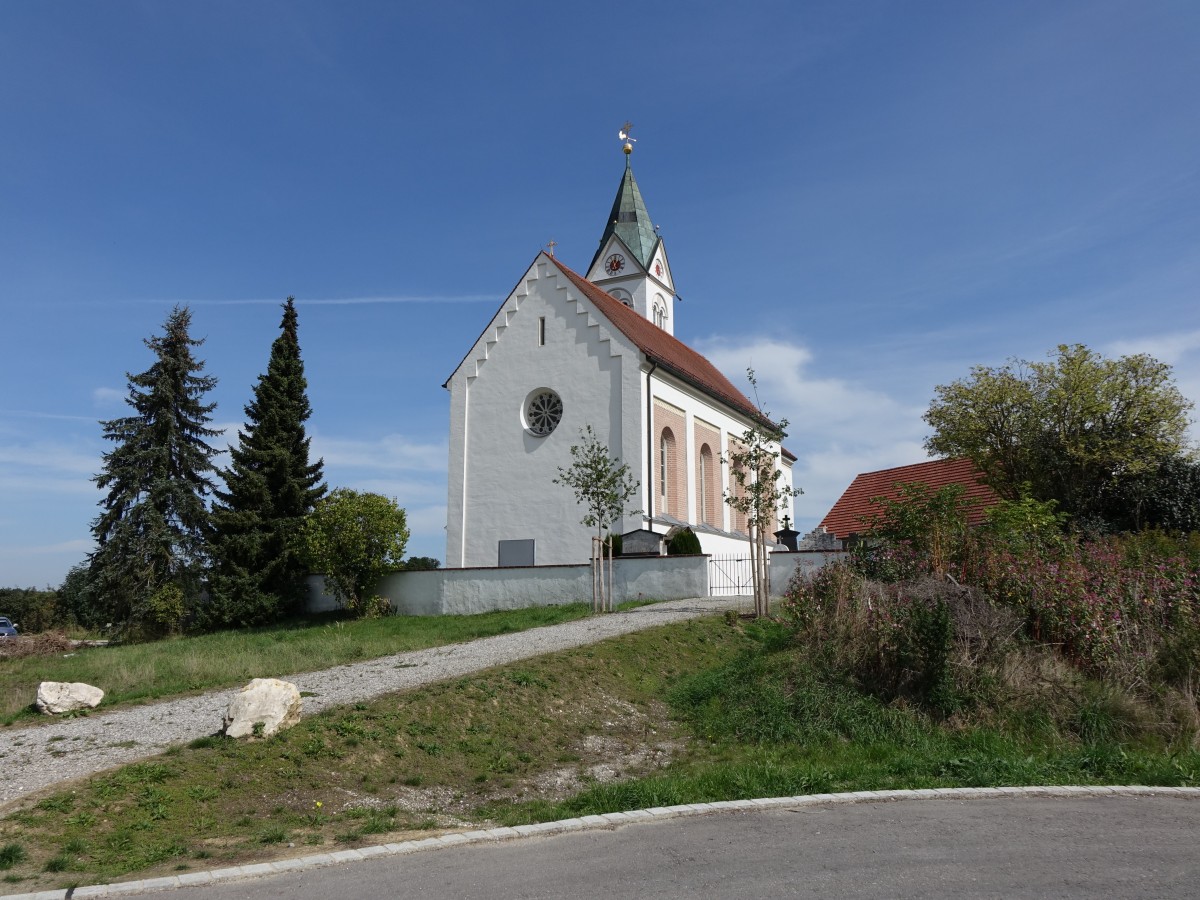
[(623, 295), (707, 486), (666, 454)]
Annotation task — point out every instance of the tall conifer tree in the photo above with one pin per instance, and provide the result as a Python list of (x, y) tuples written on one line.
[(151, 536), (270, 487)]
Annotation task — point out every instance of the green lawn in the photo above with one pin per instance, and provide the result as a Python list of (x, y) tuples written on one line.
[(689, 712), (152, 671)]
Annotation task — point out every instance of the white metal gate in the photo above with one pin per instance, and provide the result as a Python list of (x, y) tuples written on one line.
[(730, 576)]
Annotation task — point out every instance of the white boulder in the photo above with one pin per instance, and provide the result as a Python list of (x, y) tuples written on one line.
[(54, 697), (263, 707)]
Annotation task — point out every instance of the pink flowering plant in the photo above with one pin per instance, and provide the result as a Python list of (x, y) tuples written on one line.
[(1123, 607)]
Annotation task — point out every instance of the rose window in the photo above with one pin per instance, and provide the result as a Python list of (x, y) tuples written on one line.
[(543, 412)]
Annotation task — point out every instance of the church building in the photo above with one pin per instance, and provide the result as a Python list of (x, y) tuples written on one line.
[(566, 351)]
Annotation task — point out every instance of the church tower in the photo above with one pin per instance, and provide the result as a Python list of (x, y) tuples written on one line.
[(631, 262)]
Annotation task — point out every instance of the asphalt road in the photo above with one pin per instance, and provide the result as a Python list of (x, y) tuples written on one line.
[(1018, 847)]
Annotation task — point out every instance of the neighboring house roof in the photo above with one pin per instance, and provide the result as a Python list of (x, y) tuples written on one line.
[(630, 221), (667, 351), (854, 506)]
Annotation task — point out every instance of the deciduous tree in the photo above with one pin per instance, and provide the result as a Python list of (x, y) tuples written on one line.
[(603, 485), (932, 524), (355, 538), (759, 492), (1073, 428)]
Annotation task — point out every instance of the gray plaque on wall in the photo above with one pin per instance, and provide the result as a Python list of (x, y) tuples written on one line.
[(516, 553)]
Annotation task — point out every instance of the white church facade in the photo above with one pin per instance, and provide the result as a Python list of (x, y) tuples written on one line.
[(566, 351)]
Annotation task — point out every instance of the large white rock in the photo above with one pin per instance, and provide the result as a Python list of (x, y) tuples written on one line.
[(273, 703), (55, 697)]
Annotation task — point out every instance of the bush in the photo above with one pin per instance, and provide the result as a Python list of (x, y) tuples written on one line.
[(684, 543), (1107, 604), (355, 538), (926, 641)]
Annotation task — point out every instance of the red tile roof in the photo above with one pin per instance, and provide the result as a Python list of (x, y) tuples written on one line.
[(667, 351), (846, 516)]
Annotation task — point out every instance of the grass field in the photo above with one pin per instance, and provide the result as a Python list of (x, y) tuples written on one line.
[(152, 671), (696, 711)]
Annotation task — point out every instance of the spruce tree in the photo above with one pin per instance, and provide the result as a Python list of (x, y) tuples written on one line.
[(151, 536), (259, 569)]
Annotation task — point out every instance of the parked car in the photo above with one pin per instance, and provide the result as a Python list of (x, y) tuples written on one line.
[(7, 628)]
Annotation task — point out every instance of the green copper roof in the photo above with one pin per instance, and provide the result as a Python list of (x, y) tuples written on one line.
[(630, 221)]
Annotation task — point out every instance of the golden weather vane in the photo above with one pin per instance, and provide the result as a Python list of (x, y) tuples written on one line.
[(624, 135)]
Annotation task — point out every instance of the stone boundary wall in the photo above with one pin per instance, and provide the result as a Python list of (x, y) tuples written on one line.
[(452, 591), (785, 563)]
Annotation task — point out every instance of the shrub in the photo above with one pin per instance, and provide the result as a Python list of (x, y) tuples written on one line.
[(354, 539), (926, 641), (684, 543), (1106, 603)]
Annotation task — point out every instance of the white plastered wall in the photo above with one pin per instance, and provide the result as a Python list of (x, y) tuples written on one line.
[(501, 477)]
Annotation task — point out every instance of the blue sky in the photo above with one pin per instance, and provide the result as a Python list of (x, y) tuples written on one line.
[(860, 199)]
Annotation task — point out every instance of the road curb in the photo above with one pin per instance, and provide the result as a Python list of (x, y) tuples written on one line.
[(585, 823)]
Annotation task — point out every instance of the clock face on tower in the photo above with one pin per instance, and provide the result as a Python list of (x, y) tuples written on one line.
[(614, 264)]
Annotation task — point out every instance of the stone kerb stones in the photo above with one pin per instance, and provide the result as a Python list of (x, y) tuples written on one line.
[(56, 697), (262, 708)]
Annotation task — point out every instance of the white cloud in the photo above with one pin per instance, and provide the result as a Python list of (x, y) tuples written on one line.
[(49, 455), (1182, 351), (17, 485), (824, 474), (428, 520), (427, 528), (107, 398), (406, 492), (390, 453), (75, 548), (1170, 347)]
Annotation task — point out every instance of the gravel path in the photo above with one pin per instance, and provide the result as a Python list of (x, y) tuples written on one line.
[(36, 758)]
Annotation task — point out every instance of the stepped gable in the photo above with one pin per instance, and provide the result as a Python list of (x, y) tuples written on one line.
[(669, 352), (854, 506)]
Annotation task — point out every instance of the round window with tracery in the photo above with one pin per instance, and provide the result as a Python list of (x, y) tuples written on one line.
[(543, 412)]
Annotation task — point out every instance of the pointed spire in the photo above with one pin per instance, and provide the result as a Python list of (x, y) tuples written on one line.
[(630, 221)]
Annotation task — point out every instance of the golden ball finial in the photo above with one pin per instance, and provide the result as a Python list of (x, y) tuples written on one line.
[(624, 135)]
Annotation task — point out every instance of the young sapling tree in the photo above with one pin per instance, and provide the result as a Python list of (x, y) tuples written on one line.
[(758, 491), (604, 486)]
